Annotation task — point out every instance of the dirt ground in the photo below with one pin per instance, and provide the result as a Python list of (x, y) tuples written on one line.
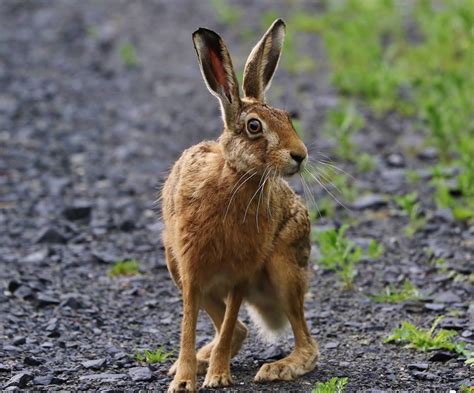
[(85, 143)]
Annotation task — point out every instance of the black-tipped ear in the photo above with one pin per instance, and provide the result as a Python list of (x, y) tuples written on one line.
[(263, 60), (218, 72)]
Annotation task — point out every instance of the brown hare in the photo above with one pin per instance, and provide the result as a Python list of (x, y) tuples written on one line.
[(234, 229)]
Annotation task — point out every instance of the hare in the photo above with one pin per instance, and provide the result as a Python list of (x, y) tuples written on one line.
[(234, 230)]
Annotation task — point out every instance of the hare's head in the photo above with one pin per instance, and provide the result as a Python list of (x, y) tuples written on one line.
[(256, 136)]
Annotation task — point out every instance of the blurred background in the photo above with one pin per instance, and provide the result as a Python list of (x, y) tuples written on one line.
[(99, 97)]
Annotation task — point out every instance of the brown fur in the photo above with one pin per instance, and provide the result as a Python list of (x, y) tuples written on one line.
[(228, 240)]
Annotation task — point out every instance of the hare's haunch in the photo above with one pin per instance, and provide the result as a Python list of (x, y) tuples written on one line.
[(234, 230)]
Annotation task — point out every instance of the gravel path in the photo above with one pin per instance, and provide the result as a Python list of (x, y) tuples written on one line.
[(84, 143)]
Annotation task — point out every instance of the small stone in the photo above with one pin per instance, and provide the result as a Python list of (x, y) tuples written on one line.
[(140, 374), (48, 379), (11, 348), (51, 235), (72, 302), (78, 212), (274, 352), (395, 160), (435, 306), (95, 364), (36, 257), (24, 292), (424, 376), (105, 257), (447, 297), (44, 300), (418, 366), (13, 286), (19, 340), (430, 153), (442, 356), (32, 361), (20, 380), (4, 368), (467, 333), (371, 201), (104, 377), (331, 345)]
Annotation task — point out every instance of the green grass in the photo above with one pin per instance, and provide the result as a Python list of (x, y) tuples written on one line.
[(376, 60), (411, 207), (334, 385), (425, 340), (339, 254), (125, 268), (226, 13), (152, 357), (394, 295), (128, 54)]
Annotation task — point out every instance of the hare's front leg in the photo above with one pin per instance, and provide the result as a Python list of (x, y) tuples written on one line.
[(289, 279), (185, 378), (218, 374)]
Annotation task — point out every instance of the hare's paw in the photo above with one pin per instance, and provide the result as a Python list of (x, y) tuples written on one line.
[(276, 371), (182, 386), (217, 380), (202, 365)]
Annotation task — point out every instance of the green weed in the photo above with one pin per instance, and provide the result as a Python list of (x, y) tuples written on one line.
[(128, 54), (364, 162), (334, 385), (125, 268), (340, 254), (152, 357), (393, 295), (410, 205), (426, 340)]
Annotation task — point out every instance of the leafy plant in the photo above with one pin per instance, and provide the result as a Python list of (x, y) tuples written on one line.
[(426, 340), (340, 254), (125, 268), (393, 295), (128, 54), (334, 385), (158, 356), (410, 205)]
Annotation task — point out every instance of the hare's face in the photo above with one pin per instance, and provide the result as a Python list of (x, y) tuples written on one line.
[(264, 139)]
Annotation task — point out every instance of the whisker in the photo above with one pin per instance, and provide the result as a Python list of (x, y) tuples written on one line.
[(253, 196), (307, 191), (329, 192), (235, 192), (260, 197)]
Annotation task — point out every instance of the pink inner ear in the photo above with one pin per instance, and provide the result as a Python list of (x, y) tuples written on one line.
[(219, 71)]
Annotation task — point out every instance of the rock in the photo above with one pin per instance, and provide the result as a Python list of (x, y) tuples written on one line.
[(44, 300), (78, 212), (11, 348), (424, 376), (105, 257), (442, 356), (430, 153), (72, 302), (51, 235), (435, 306), (19, 380), (331, 345), (447, 297), (13, 285), (371, 201), (103, 377), (418, 366), (395, 160), (24, 292), (467, 333), (274, 352), (4, 368), (48, 379), (19, 340), (32, 361), (95, 364), (36, 257), (140, 374)]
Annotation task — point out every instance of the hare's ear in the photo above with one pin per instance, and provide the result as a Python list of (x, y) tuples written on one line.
[(218, 72), (263, 61)]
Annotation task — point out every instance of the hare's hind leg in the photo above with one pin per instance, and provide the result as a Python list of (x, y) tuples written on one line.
[(289, 280), (215, 308)]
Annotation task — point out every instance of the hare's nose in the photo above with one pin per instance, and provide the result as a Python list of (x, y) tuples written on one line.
[(297, 157)]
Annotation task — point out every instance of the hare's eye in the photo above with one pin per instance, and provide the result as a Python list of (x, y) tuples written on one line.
[(254, 126)]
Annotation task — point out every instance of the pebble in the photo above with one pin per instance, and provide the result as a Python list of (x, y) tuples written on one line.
[(140, 374), (273, 352), (442, 356), (447, 297), (36, 257), (418, 366), (44, 300), (103, 377), (78, 212), (331, 345), (435, 306), (32, 361), (395, 160), (51, 235), (19, 380), (95, 364), (371, 201)]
